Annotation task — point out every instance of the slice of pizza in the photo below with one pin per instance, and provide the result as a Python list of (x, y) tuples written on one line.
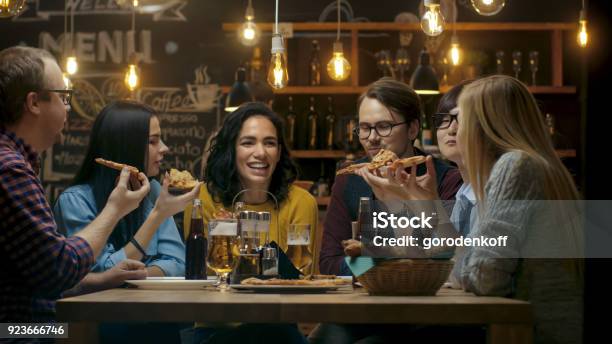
[(384, 157), (181, 179), (408, 162), (117, 166)]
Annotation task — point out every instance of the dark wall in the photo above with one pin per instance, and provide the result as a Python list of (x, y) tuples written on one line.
[(178, 47)]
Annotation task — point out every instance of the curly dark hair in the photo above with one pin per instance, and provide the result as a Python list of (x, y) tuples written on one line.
[(221, 175)]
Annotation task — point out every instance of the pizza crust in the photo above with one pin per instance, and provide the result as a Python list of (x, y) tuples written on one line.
[(117, 166), (278, 281)]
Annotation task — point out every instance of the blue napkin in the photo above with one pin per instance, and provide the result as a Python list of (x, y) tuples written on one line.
[(360, 265)]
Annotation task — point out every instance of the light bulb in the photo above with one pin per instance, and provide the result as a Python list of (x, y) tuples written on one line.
[(338, 67), (583, 35), (131, 77), (432, 22), (488, 7), (67, 81), (249, 33), (72, 66), (455, 52), (11, 8), (277, 70)]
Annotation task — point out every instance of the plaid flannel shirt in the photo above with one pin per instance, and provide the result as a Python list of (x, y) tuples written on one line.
[(36, 262)]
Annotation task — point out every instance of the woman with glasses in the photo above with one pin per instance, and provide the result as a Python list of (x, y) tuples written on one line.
[(389, 118), (518, 181), (147, 234)]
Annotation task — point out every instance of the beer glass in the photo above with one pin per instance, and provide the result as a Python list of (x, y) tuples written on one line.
[(517, 60), (298, 247), (223, 251)]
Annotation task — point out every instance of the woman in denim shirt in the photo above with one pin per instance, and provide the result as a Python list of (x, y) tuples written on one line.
[(127, 132)]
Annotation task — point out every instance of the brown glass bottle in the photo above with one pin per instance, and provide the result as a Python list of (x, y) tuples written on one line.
[(329, 125), (291, 122), (313, 118), (315, 65), (197, 245)]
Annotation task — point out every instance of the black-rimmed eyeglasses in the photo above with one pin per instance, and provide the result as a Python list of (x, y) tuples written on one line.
[(383, 129), (65, 95), (443, 120)]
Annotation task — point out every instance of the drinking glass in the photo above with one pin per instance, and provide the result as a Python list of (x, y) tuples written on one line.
[(534, 58), (223, 250), (517, 60), (298, 247)]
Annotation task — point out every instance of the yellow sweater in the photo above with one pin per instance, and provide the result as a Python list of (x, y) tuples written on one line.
[(300, 207)]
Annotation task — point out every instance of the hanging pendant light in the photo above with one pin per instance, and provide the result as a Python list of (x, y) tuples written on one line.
[(249, 32), (278, 77), (132, 74), (583, 35), (433, 21), (338, 67), (488, 7), (11, 8), (424, 80), (240, 92)]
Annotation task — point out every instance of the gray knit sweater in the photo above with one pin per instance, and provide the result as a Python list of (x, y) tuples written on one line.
[(552, 285)]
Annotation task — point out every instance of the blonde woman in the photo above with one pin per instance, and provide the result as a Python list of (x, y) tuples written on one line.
[(513, 169)]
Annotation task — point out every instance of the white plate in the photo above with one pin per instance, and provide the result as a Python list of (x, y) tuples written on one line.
[(170, 283)]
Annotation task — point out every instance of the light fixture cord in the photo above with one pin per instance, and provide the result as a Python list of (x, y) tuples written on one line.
[(72, 26), (338, 34), (276, 22), (65, 27)]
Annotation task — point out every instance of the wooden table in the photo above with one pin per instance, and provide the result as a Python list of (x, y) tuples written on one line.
[(508, 321)]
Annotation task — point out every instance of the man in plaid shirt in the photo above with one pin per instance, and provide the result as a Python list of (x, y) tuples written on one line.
[(37, 263)]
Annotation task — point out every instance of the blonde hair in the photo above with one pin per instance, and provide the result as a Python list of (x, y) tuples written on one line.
[(499, 115)]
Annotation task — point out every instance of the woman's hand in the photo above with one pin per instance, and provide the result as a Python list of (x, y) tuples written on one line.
[(167, 205)]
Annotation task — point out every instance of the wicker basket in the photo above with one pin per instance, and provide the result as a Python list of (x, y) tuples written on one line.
[(407, 277)]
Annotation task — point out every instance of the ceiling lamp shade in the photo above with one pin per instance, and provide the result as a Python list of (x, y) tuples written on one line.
[(424, 80), (240, 92)]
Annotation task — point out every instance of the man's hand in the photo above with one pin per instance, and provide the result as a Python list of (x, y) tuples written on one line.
[(352, 247), (123, 200)]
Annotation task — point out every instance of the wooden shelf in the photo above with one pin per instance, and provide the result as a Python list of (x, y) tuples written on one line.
[(314, 90), (566, 153), (323, 200), (318, 154), (392, 26)]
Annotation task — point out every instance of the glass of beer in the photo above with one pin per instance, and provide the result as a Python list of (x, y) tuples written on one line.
[(223, 251), (298, 247)]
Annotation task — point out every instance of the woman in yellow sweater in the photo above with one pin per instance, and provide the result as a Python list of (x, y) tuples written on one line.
[(249, 152)]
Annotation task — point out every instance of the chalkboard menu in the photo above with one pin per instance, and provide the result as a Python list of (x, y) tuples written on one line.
[(185, 130)]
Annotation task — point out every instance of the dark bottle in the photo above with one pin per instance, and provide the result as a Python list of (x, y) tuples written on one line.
[(315, 65), (313, 118), (364, 219), (329, 126), (197, 245), (256, 71), (291, 118)]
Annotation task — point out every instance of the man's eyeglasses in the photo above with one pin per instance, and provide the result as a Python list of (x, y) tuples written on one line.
[(444, 120), (383, 129), (65, 95)]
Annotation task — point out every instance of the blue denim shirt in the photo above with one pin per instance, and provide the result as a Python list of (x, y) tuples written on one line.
[(76, 208)]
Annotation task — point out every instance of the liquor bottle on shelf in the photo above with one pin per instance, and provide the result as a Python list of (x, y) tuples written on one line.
[(329, 126), (313, 118), (196, 245), (315, 65), (256, 64), (291, 118), (559, 141)]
